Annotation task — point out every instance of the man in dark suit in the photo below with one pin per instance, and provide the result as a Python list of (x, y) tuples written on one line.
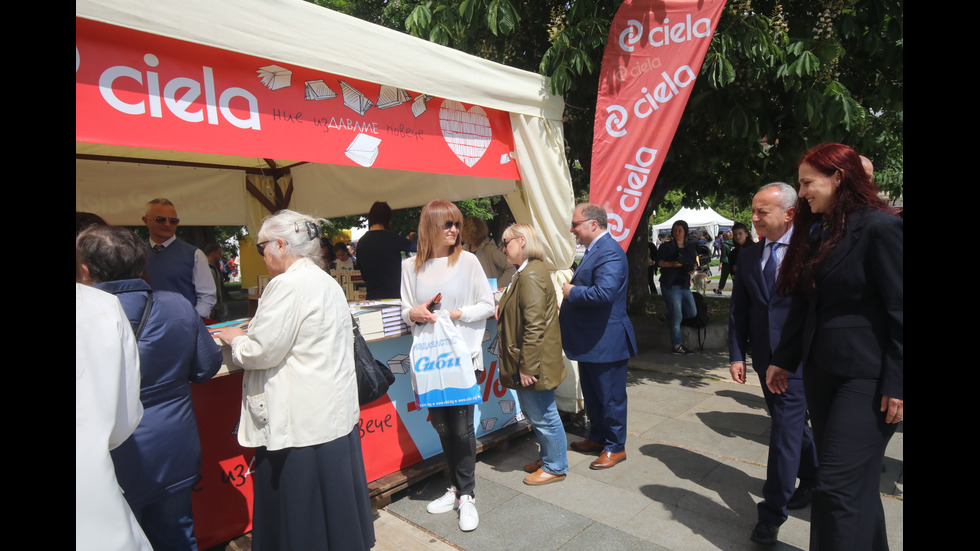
[(758, 314), (596, 332)]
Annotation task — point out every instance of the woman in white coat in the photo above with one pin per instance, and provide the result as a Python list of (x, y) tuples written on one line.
[(299, 400)]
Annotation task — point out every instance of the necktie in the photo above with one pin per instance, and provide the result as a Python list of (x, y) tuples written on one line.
[(158, 247), (769, 271)]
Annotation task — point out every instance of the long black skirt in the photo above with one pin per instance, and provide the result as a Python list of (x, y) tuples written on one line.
[(312, 498)]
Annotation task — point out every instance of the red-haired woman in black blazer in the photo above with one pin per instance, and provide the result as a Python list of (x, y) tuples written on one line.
[(844, 271)]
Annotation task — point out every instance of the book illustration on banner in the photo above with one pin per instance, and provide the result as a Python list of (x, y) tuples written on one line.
[(363, 150), (419, 104), (506, 406), (467, 132), (354, 99), (317, 90), (275, 77), (487, 423), (514, 419), (391, 96), (506, 157), (399, 364)]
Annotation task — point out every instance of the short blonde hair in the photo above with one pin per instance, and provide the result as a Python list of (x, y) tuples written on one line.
[(533, 249), (431, 225)]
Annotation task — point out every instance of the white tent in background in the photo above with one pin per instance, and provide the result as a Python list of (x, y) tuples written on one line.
[(706, 219)]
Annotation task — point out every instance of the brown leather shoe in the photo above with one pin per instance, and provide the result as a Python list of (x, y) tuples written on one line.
[(586, 446), (607, 459), (540, 477), (533, 466)]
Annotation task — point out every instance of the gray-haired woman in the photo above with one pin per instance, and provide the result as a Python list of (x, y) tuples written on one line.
[(299, 400)]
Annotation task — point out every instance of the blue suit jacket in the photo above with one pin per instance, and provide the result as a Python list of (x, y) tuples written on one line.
[(594, 324), (753, 312)]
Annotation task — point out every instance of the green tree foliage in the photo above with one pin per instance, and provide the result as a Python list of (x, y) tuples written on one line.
[(780, 76)]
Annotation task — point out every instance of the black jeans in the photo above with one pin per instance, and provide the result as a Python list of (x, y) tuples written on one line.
[(455, 427)]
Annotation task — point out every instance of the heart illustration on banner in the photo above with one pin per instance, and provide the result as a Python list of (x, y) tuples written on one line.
[(467, 133)]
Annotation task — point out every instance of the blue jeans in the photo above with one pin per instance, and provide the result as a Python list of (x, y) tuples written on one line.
[(680, 305), (169, 522), (541, 411)]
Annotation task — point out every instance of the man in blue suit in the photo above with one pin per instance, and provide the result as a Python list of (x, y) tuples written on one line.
[(596, 332), (758, 314)]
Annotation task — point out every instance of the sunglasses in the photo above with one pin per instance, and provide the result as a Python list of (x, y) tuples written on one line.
[(261, 247), (505, 242), (161, 219), (449, 224), (580, 222)]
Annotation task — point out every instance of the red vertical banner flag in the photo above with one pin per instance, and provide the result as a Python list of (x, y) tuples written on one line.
[(654, 54)]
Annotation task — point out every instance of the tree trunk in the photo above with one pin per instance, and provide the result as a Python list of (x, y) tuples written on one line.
[(638, 253)]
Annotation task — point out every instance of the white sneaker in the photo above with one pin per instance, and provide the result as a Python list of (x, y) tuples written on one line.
[(444, 504), (468, 517)]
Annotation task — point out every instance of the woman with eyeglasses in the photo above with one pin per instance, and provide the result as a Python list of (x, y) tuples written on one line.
[(299, 400), (442, 267), (530, 350)]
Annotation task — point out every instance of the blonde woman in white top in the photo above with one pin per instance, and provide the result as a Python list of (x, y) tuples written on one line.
[(442, 267), (299, 400)]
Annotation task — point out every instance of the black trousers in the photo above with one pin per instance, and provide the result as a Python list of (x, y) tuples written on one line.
[(455, 427), (851, 435)]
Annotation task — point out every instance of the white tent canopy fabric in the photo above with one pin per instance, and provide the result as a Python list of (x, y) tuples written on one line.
[(115, 181), (705, 218)]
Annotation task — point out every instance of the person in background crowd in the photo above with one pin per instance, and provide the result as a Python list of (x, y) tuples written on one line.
[(86, 219), (443, 267), (299, 400), (213, 253), (344, 260), (844, 270), (379, 254), (530, 350), (725, 257), (326, 252), (478, 242), (159, 464), (677, 259), (174, 265), (742, 239), (596, 332)]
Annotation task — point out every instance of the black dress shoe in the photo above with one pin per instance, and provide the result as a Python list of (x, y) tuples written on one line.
[(800, 499), (765, 533)]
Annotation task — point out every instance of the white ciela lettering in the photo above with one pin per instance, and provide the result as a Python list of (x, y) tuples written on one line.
[(632, 194), (648, 103), (666, 34), (179, 104)]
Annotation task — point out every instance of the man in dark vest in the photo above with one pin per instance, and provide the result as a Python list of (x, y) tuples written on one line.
[(174, 265)]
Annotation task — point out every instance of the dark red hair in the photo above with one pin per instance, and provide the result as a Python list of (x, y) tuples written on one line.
[(856, 191)]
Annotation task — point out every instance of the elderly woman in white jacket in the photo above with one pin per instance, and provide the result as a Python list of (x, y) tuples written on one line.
[(299, 400)]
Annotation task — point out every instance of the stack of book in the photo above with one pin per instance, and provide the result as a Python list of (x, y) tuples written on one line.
[(391, 316)]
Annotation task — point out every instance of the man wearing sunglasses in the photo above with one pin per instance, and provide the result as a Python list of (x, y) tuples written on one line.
[(174, 265)]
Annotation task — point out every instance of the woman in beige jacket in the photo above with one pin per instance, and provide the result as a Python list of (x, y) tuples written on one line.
[(530, 350)]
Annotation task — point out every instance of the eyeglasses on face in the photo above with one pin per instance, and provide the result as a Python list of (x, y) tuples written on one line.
[(261, 247), (580, 222), (505, 242), (449, 224), (161, 219)]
